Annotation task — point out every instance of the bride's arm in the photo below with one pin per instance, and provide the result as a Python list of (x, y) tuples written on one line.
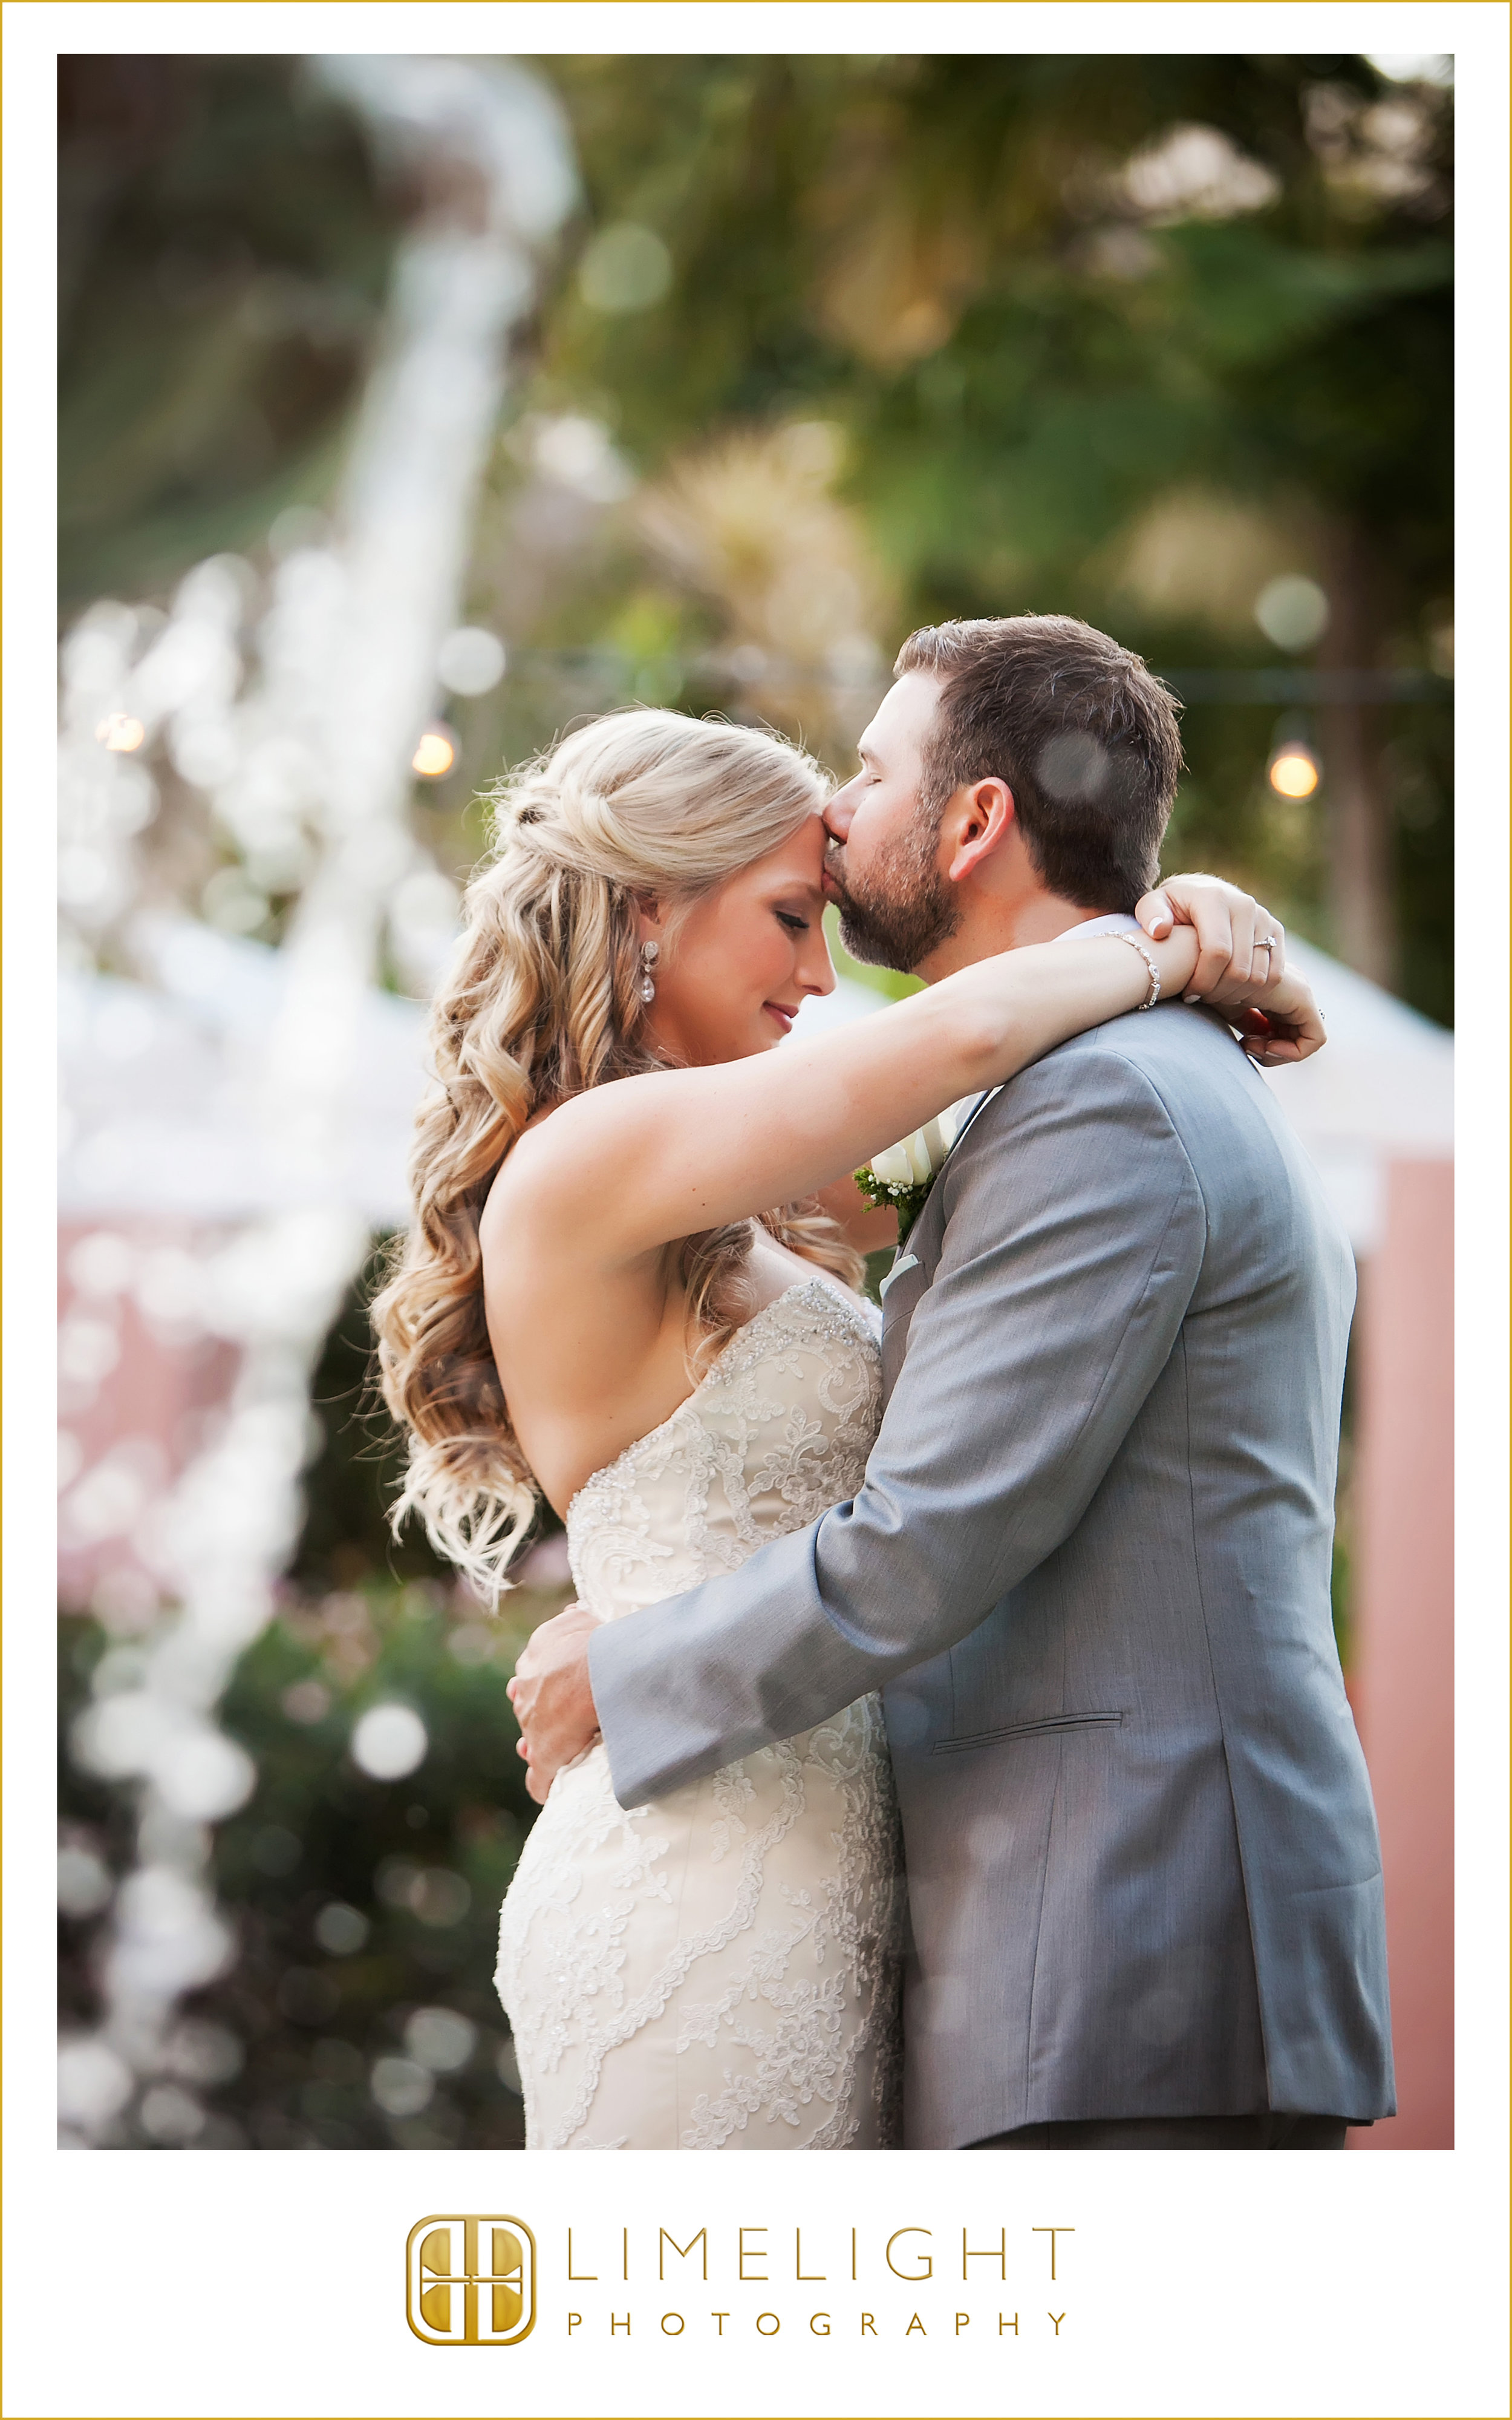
[(630, 1167)]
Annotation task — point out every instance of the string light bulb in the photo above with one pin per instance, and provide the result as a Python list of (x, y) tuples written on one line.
[(435, 751), (1294, 771), (120, 733)]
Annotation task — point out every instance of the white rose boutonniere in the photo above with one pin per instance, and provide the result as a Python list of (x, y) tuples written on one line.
[(899, 1178)]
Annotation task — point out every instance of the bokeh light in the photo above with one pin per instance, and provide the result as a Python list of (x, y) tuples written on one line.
[(1292, 611), (471, 661), (389, 1742), (1294, 771), (625, 267), (121, 734), (440, 2039), (401, 2086), (435, 753), (1414, 66), (341, 1930)]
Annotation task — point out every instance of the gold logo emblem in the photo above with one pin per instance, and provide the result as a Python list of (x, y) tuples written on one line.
[(471, 2280)]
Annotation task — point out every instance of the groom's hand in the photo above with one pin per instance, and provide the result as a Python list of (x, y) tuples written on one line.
[(553, 1698)]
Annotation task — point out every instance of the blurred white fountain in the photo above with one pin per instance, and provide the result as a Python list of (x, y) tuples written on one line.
[(308, 772)]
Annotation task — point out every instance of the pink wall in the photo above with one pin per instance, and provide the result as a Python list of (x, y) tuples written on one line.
[(141, 1384), (1402, 1680)]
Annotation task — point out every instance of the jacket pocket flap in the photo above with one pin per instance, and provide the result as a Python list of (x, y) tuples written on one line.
[(1028, 1731)]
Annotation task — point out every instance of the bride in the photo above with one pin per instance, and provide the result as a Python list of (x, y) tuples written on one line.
[(598, 1304)]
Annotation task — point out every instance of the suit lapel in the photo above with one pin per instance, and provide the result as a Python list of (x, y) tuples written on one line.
[(977, 1107), (915, 1265)]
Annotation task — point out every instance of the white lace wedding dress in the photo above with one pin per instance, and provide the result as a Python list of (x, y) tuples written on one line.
[(719, 1970)]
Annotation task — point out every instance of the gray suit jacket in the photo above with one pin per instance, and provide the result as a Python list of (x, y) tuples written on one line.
[(1090, 1568)]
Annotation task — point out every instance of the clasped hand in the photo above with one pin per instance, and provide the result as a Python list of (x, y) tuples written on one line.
[(1248, 983), (553, 1696)]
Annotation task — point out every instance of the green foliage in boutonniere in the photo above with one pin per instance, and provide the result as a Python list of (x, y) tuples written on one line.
[(901, 1177), (907, 1199)]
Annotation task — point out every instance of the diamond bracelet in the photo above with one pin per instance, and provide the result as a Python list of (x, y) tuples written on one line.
[(1153, 994)]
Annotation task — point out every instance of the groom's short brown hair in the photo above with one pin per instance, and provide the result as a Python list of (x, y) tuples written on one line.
[(1082, 732)]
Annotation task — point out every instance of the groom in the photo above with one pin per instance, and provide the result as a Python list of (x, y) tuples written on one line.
[(1090, 1564)]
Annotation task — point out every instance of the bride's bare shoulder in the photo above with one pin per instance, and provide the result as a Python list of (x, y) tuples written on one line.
[(550, 1228), (549, 1148)]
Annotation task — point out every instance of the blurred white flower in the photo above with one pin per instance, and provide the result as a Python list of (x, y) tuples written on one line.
[(471, 661), (69, 1459), (84, 1881), (168, 1938), (577, 452), (424, 914), (204, 2053), (204, 1776), (625, 267), (106, 1501), (340, 1929), (93, 2081), (401, 2086), (440, 2039), (306, 1701), (200, 1775), (1194, 171), (232, 903), (101, 1264), (171, 2114), (1414, 66), (170, 1286), (389, 1742)]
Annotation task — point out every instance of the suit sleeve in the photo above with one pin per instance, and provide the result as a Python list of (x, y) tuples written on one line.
[(1075, 1234)]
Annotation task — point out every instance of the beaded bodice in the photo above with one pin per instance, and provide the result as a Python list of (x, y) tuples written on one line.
[(776, 1433)]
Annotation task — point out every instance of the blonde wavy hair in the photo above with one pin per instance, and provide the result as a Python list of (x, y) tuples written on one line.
[(541, 1000)]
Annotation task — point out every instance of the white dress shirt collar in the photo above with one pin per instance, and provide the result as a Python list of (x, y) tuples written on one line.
[(1115, 923)]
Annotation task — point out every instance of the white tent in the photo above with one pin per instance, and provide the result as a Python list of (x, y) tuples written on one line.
[(1382, 1089), (161, 1105)]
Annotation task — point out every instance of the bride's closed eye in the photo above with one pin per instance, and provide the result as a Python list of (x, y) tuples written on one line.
[(794, 923)]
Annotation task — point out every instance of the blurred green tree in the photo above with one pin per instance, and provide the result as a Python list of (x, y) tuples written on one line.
[(1127, 335), (1045, 296), (223, 253), (360, 2010)]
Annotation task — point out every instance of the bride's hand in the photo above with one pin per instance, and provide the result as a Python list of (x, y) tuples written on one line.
[(553, 1699), (1273, 1010), (1241, 948)]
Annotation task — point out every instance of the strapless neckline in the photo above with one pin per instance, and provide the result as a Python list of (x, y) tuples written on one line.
[(744, 1333)]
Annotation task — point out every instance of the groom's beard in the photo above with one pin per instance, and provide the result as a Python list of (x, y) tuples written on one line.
[(903, 912)]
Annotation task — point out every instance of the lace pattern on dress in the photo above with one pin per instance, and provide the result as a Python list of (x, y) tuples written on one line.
[(719, 1969)]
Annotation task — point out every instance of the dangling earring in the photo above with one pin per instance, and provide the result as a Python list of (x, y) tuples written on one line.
[(650, 952)]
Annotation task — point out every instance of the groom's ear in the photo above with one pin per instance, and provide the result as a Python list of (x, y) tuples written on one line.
[(977, 822)]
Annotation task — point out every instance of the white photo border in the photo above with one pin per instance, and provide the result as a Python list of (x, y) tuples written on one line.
[(233, 2286)]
